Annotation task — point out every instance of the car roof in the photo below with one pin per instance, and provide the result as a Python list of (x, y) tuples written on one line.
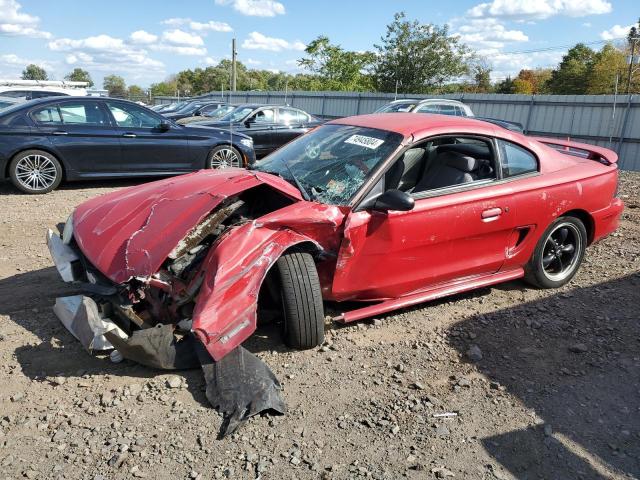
[(408, 124), (54, 99), (428, 100), (260, 105)]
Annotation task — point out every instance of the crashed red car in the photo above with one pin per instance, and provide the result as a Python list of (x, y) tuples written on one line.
[(387, 209)]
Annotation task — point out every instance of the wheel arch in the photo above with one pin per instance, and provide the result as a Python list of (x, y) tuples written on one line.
[(222, 143), (44, 149), (226, 307), (586, 219)]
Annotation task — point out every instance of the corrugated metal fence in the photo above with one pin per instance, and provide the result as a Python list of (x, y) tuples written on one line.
[(604, 120)]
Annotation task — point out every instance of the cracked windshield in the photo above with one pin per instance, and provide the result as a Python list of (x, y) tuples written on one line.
[(332, 162)]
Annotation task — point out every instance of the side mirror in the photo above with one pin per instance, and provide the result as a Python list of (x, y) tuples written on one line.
[(249, 121), (394, 200), (164, 126)]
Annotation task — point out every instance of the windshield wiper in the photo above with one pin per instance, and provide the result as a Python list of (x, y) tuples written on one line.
[(304, 193)]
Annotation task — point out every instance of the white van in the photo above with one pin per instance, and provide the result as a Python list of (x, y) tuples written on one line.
[(30, 89)]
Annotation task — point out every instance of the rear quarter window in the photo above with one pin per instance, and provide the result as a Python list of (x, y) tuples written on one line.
[(49, 115), (516, 160)]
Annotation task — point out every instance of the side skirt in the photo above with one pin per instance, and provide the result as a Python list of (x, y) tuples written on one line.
[(440, 291)]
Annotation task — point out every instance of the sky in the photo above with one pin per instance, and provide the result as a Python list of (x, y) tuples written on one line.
[(145, 41)]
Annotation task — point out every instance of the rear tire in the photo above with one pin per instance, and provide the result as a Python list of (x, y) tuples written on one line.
[(35, 172), (558, 254), (301, 300)]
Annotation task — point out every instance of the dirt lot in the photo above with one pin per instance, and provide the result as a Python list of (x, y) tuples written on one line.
[(556, 394)]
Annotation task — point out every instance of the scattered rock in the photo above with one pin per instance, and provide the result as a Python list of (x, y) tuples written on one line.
[(578, 348), (174, 381), (474, 353)]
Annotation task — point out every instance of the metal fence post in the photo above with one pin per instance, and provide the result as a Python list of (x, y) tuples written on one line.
[(358, 104), (623, 129), (324, 99), (529, 112)]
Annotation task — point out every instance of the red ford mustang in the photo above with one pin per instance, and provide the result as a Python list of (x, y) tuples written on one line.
[(387, 209)]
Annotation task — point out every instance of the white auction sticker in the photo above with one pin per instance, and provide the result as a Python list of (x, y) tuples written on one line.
[(361, 140)]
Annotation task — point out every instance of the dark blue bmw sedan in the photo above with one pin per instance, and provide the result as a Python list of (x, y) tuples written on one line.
[(46, 141)]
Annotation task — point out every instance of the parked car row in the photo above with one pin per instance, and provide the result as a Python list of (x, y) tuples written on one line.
[(71, 138)]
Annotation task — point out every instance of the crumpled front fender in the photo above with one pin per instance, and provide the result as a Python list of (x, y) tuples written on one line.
[(226, 307)]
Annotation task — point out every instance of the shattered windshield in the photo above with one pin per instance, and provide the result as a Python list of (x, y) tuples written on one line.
[(332, 162)]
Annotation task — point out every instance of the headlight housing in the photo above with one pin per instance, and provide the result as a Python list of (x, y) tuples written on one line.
[(67, 233), (247, 142)]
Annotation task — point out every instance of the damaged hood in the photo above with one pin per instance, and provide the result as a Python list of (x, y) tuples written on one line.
[(130, 232)]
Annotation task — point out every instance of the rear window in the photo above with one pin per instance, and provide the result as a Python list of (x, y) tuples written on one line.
[(49, 115), (14, 93), (396, 107), (43, 94)]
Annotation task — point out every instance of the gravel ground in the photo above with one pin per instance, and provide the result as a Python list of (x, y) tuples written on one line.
[(536, 384)]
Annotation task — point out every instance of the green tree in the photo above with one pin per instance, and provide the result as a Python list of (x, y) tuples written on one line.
[(34, 72), (336, 68), (135, 91), (571, 76), (115, 85), (532, 81), (79, 75), (418, 57), (505, 86), (606, 65), (168, 87)]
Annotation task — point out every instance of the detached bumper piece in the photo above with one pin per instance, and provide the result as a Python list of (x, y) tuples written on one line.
[(80, 315), (63, 256), (240, 386)]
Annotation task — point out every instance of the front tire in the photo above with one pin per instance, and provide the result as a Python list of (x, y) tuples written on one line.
[(301, 300), (558, 254), (224, 156), (35, 172)]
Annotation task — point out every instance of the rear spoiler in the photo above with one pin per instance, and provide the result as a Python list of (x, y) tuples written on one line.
[(582, 150)]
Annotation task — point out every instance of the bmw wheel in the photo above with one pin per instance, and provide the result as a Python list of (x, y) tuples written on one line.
[(35, 171), (558, 254), (225, 156)]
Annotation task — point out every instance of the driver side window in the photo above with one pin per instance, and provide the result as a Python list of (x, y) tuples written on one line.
[(265, 116), (442, 163), (132, 116)]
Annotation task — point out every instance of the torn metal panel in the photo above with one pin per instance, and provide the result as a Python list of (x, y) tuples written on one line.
[(240, 386), (225, 313), (62, 256), (81, 316), (158, 347), (204, 228)]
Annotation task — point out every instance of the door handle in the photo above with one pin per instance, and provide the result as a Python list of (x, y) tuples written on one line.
[(59, 132), (129, 135), (491, 213)]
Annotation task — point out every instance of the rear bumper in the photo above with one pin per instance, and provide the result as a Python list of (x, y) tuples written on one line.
[(607, 220)]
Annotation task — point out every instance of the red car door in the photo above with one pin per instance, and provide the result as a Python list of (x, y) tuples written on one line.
[(444, 238)]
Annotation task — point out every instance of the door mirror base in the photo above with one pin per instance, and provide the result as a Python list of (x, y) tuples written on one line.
[(164, 126)]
